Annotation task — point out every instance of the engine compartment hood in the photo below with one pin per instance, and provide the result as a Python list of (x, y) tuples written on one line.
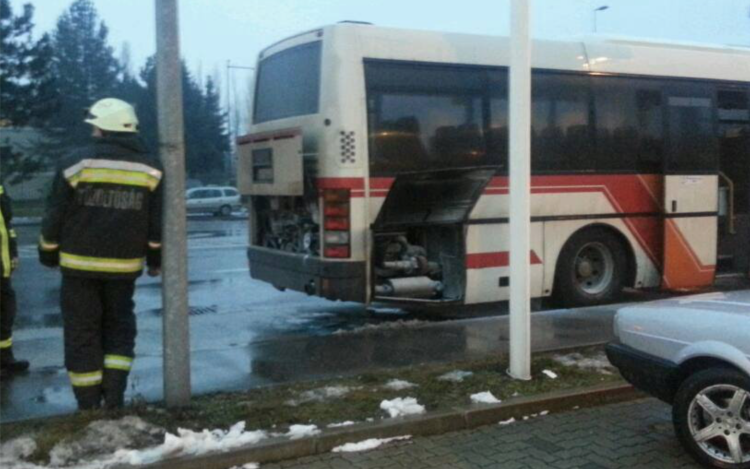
[(433, 197)]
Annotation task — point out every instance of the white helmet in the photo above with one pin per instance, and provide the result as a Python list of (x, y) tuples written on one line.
[(113, 115)]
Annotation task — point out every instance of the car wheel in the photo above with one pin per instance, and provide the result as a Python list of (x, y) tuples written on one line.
[(225, 210), (591, 269), (711, 416)]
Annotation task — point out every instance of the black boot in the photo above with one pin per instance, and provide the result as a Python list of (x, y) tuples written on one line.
[(88, 397), (9, 365), (114, 383)]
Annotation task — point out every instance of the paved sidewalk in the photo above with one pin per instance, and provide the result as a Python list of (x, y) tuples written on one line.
[(636, 434)]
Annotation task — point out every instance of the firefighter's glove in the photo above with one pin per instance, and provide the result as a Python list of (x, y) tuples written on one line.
[(153, 259), (49, 258)]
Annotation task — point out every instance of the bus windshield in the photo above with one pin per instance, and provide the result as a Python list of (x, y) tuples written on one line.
[(288, 83)]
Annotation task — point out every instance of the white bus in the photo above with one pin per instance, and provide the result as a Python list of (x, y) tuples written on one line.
[(375, 168)]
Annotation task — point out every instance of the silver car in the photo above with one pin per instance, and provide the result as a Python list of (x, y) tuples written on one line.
[(694, 353), (217, 200)]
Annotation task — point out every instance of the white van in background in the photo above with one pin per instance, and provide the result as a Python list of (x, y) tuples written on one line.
[(210, 199)]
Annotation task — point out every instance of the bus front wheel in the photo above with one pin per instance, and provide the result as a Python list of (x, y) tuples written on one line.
[(591, 270)]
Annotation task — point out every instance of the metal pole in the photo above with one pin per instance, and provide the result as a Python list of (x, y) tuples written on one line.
[(176, 333), (520, 189)]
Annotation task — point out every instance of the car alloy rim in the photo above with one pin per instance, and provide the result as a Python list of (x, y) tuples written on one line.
[(594, 268), (719, 422)]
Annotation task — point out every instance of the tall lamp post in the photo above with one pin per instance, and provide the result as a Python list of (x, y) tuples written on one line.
[(597, 10), (230, 68)]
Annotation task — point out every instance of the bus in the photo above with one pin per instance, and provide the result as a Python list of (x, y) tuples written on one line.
[(376, 166)]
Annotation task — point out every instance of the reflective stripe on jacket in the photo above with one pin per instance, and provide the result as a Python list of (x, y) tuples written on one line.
[(104, 210)]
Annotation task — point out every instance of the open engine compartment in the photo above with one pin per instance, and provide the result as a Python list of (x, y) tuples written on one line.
[(419, 235)]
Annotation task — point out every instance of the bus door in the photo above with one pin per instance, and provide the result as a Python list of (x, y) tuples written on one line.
[(690, 188), (733, 114)]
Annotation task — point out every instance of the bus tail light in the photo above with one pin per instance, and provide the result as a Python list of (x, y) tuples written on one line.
[(336, 225)]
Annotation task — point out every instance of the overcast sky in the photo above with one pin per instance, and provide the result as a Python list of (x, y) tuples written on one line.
[(214, 31)]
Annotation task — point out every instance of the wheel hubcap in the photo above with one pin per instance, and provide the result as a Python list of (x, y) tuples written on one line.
[(594, 268), (719, 422)]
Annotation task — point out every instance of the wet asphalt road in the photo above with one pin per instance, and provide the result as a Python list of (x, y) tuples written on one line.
[(228, 311)]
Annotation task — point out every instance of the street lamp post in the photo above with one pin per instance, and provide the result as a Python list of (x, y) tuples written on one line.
[(597, 10), (230, 67)]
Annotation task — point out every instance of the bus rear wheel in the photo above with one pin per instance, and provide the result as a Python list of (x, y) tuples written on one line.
[(592, 269)]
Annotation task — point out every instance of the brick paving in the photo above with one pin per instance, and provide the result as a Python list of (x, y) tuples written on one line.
[(632, 435)]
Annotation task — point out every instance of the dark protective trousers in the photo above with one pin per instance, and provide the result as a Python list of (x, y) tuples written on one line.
[(100, 329), (7, 316)]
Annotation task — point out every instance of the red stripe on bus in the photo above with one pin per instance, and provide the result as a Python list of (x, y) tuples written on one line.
[(486, 260), (341, 183)]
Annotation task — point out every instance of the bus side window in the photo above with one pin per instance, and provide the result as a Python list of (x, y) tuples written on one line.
[(693, 142), (629, 125), (650, 131), (560, 118)]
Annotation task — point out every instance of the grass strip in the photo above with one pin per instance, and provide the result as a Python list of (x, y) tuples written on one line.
[(355, 398)]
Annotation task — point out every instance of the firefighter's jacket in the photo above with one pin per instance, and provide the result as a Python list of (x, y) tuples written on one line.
[(103, 217), (8, 247)]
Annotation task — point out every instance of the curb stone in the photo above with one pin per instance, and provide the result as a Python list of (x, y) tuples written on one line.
[(459, 418)]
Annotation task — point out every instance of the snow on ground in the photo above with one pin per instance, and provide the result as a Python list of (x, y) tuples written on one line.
[(16, 450), (402, 406), (367, 444), (190, 443), (300, 431), (104, 437), (348, 423), (455, 376), (550, 374), (484, 398), (109, 434), (250, 465), (598, 362), (507, 422), (399, 385), (320, 395)]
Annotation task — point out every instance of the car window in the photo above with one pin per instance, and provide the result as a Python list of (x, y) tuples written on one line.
[(230, 192), (214, 193), (199, 194)]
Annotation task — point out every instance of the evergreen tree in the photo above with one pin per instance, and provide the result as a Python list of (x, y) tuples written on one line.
[(86, 68), (206, 139), (28, 95)]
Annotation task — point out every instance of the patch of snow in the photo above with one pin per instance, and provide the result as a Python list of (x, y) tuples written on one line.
[(543, 413), (402, 406), (250, 465), (455, 376), (104, 437), (341, 424), (78, 454), (367, 444), (369, 419), (399, 385), (507, 422), (484, 398), (598, 362), (301, 431), (550, 374), (190, 443), (13, 451), (320, 395)]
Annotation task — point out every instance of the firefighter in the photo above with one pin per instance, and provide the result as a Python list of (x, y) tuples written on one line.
[(102, 223), (8, 263)]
